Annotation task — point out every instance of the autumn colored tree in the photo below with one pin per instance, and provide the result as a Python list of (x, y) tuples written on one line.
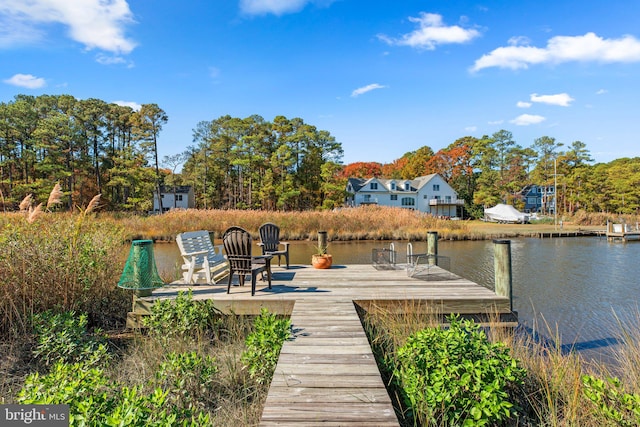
[(362, 170)]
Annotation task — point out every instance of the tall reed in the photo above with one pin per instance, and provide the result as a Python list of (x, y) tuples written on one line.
[(59, 261)]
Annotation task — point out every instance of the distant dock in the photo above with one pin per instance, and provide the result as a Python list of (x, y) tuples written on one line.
[(622, 232), (574, 233)]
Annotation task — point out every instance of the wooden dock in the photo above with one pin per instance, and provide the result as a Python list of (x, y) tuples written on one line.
[(327, 373), (622, 232)]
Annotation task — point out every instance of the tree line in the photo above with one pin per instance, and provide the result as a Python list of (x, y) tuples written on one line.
[(93, 147), (88, 146), (495, 169)]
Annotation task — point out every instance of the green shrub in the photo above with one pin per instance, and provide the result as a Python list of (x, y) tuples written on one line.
[(182, 316), (263, 345), (188, 377), (94, 400), (63, 337), (455, 376), (612, 401)]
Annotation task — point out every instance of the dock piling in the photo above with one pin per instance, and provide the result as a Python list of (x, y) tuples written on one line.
[(432, 247), (502, 269)]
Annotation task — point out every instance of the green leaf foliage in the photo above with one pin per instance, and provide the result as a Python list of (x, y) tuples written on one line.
[(95, 401), (182, 316), (611, 400), (263, 345), (456, 376), (63, 337)]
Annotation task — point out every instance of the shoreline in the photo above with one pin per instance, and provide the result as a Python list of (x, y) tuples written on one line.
[(478, 230)]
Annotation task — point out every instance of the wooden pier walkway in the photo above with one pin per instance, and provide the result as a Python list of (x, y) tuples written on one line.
[(327, 373)]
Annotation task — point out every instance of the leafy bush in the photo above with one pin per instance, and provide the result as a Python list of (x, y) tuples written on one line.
[(455, 376), (63, 337), (94, 400), (182, 316), (188, 377), (263, 345), (612, 401)]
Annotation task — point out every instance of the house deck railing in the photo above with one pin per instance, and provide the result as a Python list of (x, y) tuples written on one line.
[(440, 202)]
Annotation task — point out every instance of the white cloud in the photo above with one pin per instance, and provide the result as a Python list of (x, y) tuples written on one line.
[(97, 24), (110, 59), (471, 128), (134, 105), (527, 119), (559, 49), (431, 32), (602, 92), (496, 122), (277, 7), (523, 104), (365, 89), (26, 80), (561, 99)]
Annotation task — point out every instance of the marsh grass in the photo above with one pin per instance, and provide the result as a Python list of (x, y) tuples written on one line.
[(367, 223)]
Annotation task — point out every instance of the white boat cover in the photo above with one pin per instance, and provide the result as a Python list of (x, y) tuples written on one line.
[(504, 213)]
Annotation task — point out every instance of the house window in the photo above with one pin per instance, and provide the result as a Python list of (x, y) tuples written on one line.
[(394, 197), (408, 201), (367, 197), (436, 187), (407, 186), (447, 199), (179, 197), (393, 186), (374, 185), (425, 197), (162, 195)]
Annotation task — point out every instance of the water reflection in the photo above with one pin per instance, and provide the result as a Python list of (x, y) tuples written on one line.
[(578, 284)]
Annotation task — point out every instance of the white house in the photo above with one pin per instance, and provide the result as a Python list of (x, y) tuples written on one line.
[(429, 194), (178, 197)]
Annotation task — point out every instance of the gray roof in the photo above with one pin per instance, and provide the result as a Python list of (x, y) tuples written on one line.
[(415, 184)]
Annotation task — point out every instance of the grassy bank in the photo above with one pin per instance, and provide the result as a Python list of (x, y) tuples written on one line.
[(366, 223)]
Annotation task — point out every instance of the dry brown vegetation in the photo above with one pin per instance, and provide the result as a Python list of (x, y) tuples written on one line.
[(365, 223)]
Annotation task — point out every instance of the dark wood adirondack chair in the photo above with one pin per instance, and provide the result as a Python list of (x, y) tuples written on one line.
[(270, 242), (237, 245)]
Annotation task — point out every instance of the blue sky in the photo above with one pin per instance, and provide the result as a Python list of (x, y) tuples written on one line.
[(383, 77)]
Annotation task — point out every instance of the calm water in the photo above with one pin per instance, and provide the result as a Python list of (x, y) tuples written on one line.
[(577, 284)]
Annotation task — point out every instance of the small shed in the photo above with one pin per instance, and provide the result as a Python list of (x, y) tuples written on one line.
[(178, 197)]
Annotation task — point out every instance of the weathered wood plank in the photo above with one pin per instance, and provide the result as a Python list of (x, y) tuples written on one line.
[(288, 395), (356, 359), (347, 413)]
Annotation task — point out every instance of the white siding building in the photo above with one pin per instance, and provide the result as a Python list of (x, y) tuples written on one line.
[(428, 194), (180, 197)]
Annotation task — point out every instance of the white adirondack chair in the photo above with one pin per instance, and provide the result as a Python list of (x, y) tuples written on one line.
[(201, 256)]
